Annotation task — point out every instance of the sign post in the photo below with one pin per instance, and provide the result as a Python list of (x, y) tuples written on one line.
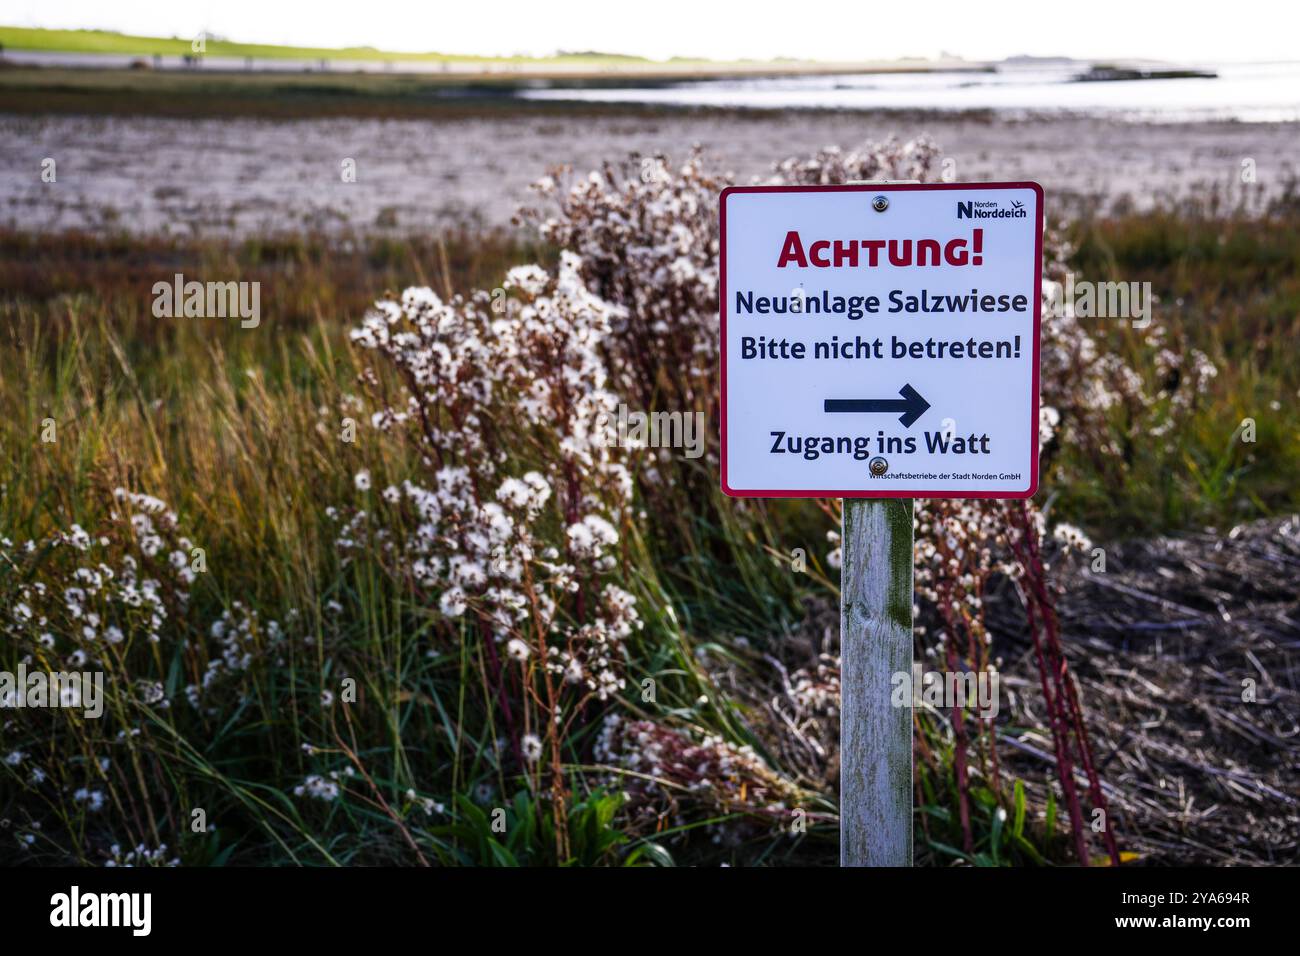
[(875, 644), (880, 341)]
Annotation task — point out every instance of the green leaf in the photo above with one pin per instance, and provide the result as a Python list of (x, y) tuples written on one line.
[(500, 855), (656, 854), (1018, 820)]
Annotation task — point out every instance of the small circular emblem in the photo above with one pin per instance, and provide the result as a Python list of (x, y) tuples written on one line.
[(880, 203), (878, 466)]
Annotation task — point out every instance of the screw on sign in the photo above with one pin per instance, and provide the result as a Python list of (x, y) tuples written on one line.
[(879, 343)]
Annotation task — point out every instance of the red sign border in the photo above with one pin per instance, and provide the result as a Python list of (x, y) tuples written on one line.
[(881, 188)]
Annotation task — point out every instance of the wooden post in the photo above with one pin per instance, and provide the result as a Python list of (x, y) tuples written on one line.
[(875, 644)]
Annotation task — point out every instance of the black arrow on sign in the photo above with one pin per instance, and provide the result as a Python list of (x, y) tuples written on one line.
[(912, 405)]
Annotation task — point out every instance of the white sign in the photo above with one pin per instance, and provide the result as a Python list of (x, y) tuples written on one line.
[(881, 341)]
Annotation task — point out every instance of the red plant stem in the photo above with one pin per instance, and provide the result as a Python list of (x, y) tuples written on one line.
[(1064, 768), (983, 725), (981, 660), (959, 730), (1095, 793), (1031, 586), (1083, 746), (1071, 706)]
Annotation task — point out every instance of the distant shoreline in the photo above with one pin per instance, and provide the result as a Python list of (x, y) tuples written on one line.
[(104, 49), (209, 93), (200, 93)]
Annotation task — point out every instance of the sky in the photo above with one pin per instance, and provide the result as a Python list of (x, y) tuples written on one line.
[(1186, 31)]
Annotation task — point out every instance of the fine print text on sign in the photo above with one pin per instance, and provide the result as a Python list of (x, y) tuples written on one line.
[(881, 341)]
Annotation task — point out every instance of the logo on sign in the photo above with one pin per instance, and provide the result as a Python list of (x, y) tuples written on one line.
[(974, 209)]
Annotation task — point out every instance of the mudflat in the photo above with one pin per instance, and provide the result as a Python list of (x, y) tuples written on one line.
[(242, 176)]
